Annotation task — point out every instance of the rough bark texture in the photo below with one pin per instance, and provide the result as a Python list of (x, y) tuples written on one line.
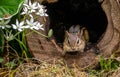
[(111, 39)]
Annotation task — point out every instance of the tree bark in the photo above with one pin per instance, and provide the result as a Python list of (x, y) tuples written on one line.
[(110, 42)]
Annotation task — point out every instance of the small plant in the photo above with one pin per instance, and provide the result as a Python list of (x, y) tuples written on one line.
[(14, 23), (108, 64), (25, 20)]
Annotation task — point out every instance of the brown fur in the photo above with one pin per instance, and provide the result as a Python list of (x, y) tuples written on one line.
[(74, 40)]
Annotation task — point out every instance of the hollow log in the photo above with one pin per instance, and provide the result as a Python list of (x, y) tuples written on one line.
[(44, 49), (110, 42)]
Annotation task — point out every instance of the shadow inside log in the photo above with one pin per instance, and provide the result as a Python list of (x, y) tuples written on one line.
[(63, 14)]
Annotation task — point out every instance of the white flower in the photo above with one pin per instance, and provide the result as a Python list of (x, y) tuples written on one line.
[(34, 25), (32, 7), (4, 24), (26, 11), (19, 25), (38, 26), (9, 36), (41, 10), (31, 23), (29, 8)]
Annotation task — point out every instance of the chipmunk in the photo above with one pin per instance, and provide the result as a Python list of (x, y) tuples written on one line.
[(75, 39)]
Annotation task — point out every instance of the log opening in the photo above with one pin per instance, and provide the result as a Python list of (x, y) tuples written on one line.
[(87, 13)]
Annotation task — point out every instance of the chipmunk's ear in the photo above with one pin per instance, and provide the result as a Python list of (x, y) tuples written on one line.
[(80, 33), (71, 29), (84, 32), (77, 28)]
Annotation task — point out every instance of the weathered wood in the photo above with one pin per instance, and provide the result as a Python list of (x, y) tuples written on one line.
[(110, 41)]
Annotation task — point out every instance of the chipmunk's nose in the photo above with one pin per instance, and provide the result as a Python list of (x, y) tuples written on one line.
[(73, 48)]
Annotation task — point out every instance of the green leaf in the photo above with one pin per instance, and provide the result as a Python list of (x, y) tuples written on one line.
[(9, 8), (2, 41), (50, 33)]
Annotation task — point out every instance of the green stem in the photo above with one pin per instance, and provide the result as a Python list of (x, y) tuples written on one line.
[(40, 34), (21, 44), (24, 38)]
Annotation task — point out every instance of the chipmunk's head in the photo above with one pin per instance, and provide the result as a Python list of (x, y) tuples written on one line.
[(73, 41)]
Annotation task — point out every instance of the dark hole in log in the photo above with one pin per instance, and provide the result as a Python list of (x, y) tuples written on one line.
[(87, 13)]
